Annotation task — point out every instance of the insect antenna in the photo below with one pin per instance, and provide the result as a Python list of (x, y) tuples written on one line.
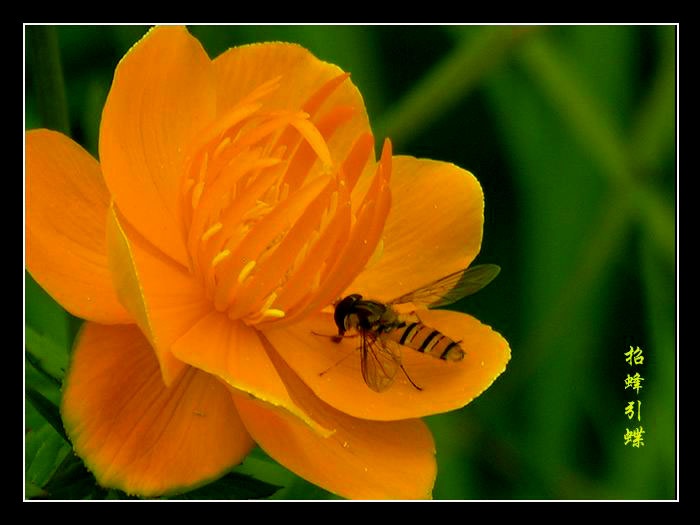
[(336, 339), (337, 363)]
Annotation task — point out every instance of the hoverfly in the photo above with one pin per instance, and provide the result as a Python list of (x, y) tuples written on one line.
[(383, 331)]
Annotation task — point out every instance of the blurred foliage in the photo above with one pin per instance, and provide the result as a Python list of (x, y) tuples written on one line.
[(571, 132)]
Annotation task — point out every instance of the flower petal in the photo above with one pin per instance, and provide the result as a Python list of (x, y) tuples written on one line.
[(134, 433), (434, 228), (306, 83), (163, 297), (361, 459), (67, 203), (233, 352), (332, 370), (163, 94)]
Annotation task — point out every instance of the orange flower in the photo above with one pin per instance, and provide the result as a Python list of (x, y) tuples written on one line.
[(235, 201)]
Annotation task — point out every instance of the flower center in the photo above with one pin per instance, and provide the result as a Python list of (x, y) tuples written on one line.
[(271, 229)]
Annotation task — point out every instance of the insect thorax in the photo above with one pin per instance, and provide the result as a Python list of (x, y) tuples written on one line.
[(366, 315)]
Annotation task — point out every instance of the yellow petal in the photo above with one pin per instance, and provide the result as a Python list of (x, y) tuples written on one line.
[(67, 204), (434, 228), (361, 459), (138, 435), (332, 370), (163, 94)]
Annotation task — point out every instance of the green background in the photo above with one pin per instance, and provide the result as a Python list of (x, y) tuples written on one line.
[(571, 131)]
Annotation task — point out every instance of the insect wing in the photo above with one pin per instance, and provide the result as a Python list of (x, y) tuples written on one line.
[(379, 361), (451, 288)]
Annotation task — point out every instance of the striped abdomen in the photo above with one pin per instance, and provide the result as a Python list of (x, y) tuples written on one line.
[(427, 340)]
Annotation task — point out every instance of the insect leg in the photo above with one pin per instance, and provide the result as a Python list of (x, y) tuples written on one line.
[(335, 337), (411, 380)]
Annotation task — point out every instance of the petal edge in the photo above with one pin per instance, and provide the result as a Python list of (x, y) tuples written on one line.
[(163, 93)]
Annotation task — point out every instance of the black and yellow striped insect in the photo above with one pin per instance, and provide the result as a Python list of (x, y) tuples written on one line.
[(383, 330)]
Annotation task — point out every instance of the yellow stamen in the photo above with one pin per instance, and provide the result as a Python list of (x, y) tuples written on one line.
[(203, 166), (313, 137), (274, 312), (334, 203), (330, 211), (189, 182), (245, 272), (220, 257), (197, 194), (222, 145), (268, 302), (284, 193), (211, 231)]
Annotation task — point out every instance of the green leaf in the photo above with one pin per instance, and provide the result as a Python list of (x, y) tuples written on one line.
[(46, 317), (73, 480), (45, 356), (233, 486), (45, 450), (32, 491), (48, 410), (45, 65)]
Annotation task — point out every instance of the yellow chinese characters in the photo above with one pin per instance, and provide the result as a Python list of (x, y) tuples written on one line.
[(634, 382), (634, 357), (634, 436)]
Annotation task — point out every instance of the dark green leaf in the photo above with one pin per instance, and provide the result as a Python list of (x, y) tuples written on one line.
[(48, 320), (45, 66), (73, 481), (34, 361), (231, 487), (48, 410), (44, 452)]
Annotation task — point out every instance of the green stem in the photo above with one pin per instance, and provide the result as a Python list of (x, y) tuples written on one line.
[(45, 65)]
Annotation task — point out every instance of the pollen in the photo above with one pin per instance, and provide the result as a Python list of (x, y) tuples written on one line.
[(220, 257), (215, 228), (274, 312), (245, 272)]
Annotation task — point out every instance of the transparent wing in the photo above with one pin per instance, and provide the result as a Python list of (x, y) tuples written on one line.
[(451, 288), (380, 360)]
